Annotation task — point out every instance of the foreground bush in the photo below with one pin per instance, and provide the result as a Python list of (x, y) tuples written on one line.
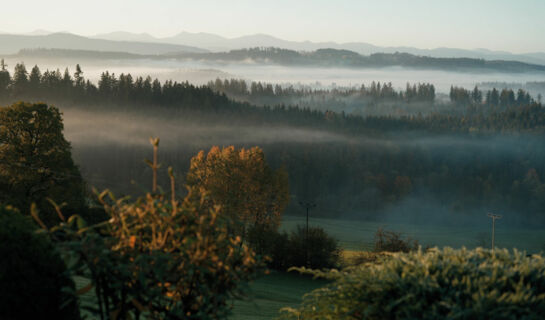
[(158, 258), (439, 284), (33, 279)]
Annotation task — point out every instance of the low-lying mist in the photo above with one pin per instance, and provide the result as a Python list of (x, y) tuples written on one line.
[(110, 147), (87, 128)]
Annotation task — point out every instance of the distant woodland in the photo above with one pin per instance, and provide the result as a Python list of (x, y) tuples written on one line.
[(286, 57)]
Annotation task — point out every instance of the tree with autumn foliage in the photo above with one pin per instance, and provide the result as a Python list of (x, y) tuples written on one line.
[(241, 182), (158, 257)]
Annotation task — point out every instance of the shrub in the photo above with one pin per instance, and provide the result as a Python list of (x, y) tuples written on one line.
[(438, 284), (159, 258), (391, 241), (284, 251), (33, 277), (272, 245), (322, 249)]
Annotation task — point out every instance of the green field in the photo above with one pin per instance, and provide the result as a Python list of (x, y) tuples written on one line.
[(271, 292), (359, 235)]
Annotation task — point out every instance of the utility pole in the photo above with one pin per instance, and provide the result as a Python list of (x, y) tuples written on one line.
[(308, 206), (494, 217)]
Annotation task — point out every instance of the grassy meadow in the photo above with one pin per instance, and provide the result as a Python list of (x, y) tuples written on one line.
[(359, 235)]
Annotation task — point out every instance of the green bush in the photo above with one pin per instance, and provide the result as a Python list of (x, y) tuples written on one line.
[(268, 242), (286, 251), (439, 284), (33, 280), (323, 251)]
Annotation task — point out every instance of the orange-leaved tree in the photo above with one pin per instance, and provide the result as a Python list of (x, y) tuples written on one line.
[(242, 183)]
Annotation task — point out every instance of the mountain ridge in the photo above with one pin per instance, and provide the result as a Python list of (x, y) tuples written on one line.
[(265, 40), (13, 43)]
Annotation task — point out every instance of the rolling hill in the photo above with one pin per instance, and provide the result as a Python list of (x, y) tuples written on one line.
[(11, 44)]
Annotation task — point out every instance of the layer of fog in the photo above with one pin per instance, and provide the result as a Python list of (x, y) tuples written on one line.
[(87, 127), (105, 141), (201, 72)]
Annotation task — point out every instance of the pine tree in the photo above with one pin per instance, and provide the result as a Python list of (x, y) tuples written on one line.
[(5, 80), (477, 96), (20, 79), (34, 80)]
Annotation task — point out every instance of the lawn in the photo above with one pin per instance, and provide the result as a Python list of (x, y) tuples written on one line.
[(271, 292), (359, 234)]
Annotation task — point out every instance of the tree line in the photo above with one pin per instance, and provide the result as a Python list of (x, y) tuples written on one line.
[(518, 112), (505, 98), (265, 93), (347, 58)]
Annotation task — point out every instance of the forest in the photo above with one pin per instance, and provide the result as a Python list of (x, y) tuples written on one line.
[(292, 58), (346, 58), (486, 151)]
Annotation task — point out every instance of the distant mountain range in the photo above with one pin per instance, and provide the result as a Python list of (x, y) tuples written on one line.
[(216, 43), (11, 44), (186, 42)]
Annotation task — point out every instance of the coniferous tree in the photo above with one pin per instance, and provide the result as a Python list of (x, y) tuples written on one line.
[(20, 80), (477, 95), (5, 80), (34, 80), (493, 98)]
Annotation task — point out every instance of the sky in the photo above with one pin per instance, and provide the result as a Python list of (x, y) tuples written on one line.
[(509, 25)]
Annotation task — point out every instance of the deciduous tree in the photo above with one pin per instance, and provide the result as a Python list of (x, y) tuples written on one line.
[(241, 182), (35, 159)]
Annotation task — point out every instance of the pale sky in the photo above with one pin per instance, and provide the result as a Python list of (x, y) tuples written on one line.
[(511, 25)]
